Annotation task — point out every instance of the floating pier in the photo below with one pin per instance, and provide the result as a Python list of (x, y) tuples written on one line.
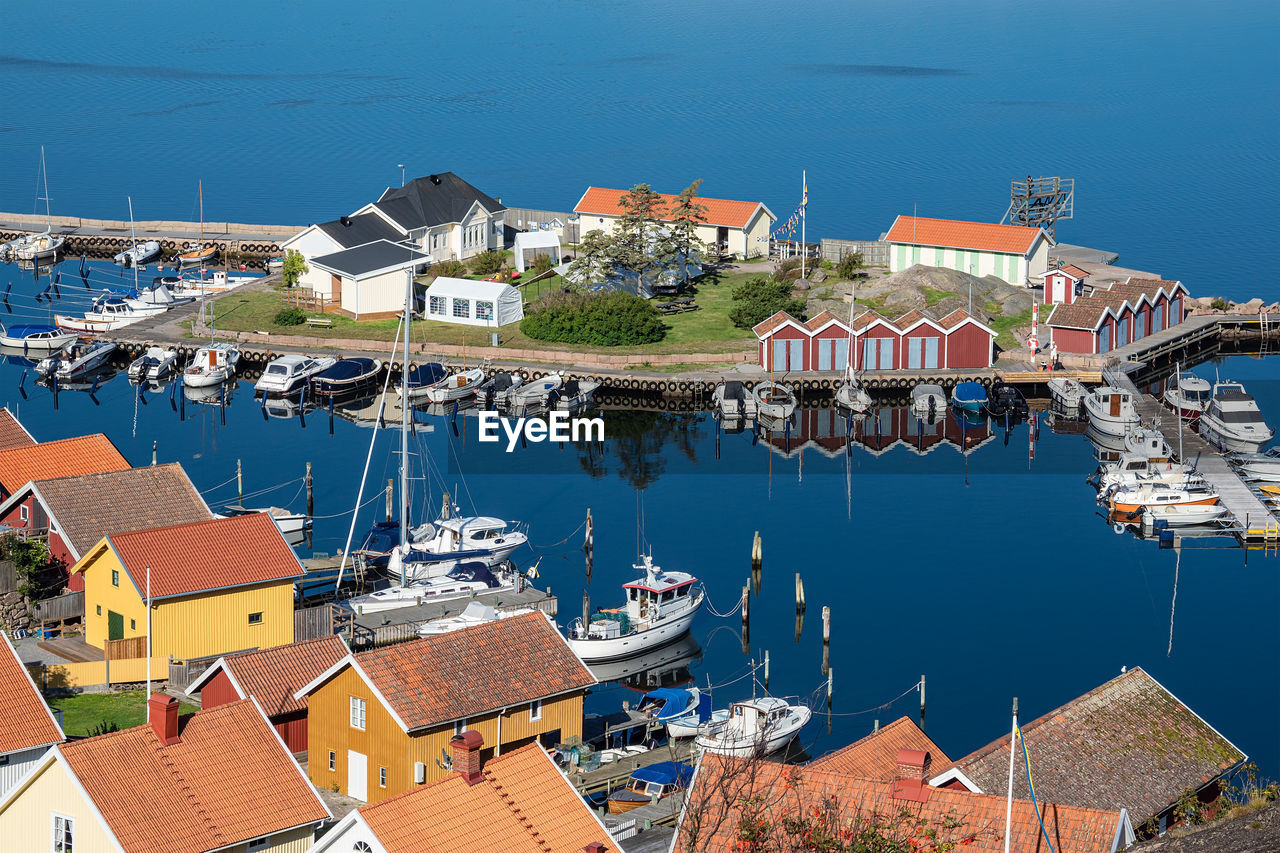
[(99, 238)]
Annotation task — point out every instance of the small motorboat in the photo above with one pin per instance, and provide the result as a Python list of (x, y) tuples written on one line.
[(274, 264), (732, 401), (573, 395), (291, 524), (1189, 395), (536, 391), (852, 397), (498, 389), (660, 608), (155, 363), (197, 255), (970, 396), (755, 727), (1067, 393), (75, 359), (158, 293), (1261, 466), (928, 399), (109, 312), (1133, 469), (32, 338), (689, 724), (347, 377), (1232, 420), (1007, 400), (670, 703), (473, 614), (650, 784), (1111, 411), (420, 378), (1149, 443), (774, 400), (197, 288), (212, 365), (288, 373), (1184, 515), (455, 386), (138, 254)]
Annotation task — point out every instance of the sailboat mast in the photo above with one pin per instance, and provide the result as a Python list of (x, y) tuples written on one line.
[(44, 174), (405, 404), (200, 185), (133, 237)]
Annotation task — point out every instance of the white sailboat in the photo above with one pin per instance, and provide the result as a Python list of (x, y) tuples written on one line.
[(45, 245), (851, 395)]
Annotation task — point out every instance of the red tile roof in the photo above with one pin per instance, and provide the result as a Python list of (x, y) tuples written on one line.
[(463, 673), (13, 433), (206, 555), (764, 327), (227, 780), (731, 214), (1073, 271), (822, 319), (28, 723), (956, 234), (875, 756), (1087, 311), (524, 803), (972, 822), (272, 676), (86, 454)]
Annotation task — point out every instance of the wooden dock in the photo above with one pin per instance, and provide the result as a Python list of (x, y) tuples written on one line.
[(615, 774)]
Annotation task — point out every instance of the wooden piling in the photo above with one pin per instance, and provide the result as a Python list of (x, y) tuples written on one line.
[(239, 485), (311, 496), (746, 618), (922, 701), (589, 544), (153, 454), (799, 593), (826, 639), (766, 671), (757, 561)]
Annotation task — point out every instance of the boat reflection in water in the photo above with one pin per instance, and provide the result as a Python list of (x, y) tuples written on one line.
[(210, 395), (830, 431), (668, 666)]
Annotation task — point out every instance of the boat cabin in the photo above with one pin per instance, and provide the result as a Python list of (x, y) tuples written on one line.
[(466, 532), (647, 784), (110, 306), (658, 594), (286, 369), (758, 715), (212, 357), (1116, 402)]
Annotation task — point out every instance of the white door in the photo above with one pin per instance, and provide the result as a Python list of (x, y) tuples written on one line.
[(1059, 290), (357, 775)]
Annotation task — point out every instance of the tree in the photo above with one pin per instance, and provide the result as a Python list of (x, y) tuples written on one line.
[(595, 261), (682, 230), (849, 266), (293, 268), (38, 573), (637, 230), (759, 298)]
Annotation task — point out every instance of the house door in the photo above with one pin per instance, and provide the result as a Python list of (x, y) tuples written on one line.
[(1059, 289), (335, 288), (115, 625), (357, 775), (778, 360), (825, 350), (722, 239), (796, 356), (915, 353), (1122, 332), (930, 353), (841, 360)]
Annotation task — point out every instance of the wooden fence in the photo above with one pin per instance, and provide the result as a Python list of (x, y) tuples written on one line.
[(875, 253), (60, 608), (312, 622), (128, 648), (8, 577), (309, 300), (96, 673)]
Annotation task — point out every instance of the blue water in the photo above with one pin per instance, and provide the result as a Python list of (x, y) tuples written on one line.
[(1164, 113)]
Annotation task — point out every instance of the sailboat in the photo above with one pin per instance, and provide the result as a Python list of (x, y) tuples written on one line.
[(199, 254), (851, 395), (45, 245)]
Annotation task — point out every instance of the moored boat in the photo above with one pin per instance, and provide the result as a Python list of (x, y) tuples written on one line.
[(419, 378), (41, 247), (1132, 500), (291, 524), (463, 580), (498, 389), (928, 399), (1188, 395), (212, 365), (650, 784), (1185, 515), (774, 400), (491, 539), (288, 373), (1148, 442), (660, 608), (1232, 420), (535, 392), (1111, 411), (1067, 392), (76, 359), (755, 727), (573, 395), (155, 363), (732, 400), (475, 613), (970, 396), (455, 386), (138, 254), (35, 338), (347, 377)]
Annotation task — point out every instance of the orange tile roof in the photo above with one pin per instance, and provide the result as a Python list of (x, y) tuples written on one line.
[(272, 676), (13, 433), (86, 454), (821, 320), (875, 756), (722, 784), (732, 214), (228, 780), (524, 803), (764, 327), (1073, 270), (28, 723), (206, 555), (956, 234), (464, 673)]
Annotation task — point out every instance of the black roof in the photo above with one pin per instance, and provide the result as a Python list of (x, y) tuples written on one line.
[(433, 200), (359, 230), (361, 260)]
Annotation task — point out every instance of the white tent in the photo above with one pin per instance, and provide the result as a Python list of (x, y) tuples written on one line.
[(530, 244), (474, 303)]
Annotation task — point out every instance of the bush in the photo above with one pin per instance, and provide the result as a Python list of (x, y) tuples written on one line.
[(291, 316), (607, 319), (759, 298), (849, 265), (541, 264), (448, 269), (487, 262), (1219, 304)]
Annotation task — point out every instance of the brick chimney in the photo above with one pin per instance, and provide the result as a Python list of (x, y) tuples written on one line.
[(912, 764), (595, 847), (466, 756), (162, 713)]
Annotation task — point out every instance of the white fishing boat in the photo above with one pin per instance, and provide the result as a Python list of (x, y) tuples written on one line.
[(455, 386), (573, 395), (774, 400), (138, 254), (1188, 395), (1232, 420), (490, 539), (288, 373), (732, 402), (154, 363), (1111, 411), (33, 338), (536, 391), (475, 613), (1148, 442), (755, 727), (498, 389), (928, 399), (1185, 515), (1067, 392), (660, 608), (75, 359), (212, 365)]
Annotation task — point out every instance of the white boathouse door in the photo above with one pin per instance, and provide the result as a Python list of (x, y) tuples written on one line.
[(357, 775)]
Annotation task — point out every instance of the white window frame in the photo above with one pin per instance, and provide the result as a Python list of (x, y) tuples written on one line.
[(484, 309), (459, 726), (535, 710), (359, 713), (464, 304), (382, 777), (24, 513), (333, 761), (56, 846), (257, 844)]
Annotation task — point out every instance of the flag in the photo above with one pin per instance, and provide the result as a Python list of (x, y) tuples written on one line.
[(804, 198)]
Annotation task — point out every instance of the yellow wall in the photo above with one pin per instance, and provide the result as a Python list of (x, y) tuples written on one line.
[(386, 745), (293, 841), (97, 672), (26, 825), (208, 623)]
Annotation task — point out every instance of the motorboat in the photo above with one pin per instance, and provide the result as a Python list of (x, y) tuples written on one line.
[(1262, 466), (469, 533), (1133, 469), (347, 377), (732, 400), (755, 727), (536, 391), (75, 359), (212, 365), (498, 389), (40, 247), (1111, 410), (109, 312), (1148, 442), (420, 377), (138, 254), (158, 293), (650, 784), (774, 400), (928, 399), (455, 386), (1131, 501), (462, 581), (662, 666), (195, 288), (660, 608), (291, 524), (475, 613), (1007, 400), (197, 255), (664, 704), (970, 396), (1232, 420), (1067, 392), (275, 264), (1189, 395), (1185, 515), (852, 397), (688, 725), (33, 338), (288, 373), (155, 363), (573, 395)]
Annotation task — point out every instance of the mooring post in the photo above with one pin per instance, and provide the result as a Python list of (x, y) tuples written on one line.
[(589, 543), (875, 726), (239, 484), (799, 593), (153, 453), (766, 672), (311, 495), (922, 702), (757, 560), (586, 611), (746, 619), (826, 638), (391, 485)]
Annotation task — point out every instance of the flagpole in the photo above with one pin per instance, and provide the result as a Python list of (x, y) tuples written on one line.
[(148, 630), (1008, 809), (804, 203)]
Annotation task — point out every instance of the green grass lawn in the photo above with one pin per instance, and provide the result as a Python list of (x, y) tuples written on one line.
[(82, 712), (932, 296), (1004, 326)]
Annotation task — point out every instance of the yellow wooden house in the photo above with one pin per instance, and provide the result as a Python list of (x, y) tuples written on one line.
[(218, 586), (380, 721)]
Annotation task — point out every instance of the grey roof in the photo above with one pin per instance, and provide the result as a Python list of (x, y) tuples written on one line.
[(433, 200), (365, 228), (371, 257)]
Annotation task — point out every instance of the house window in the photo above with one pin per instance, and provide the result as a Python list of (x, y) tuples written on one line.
[(382, 777), (24, 513), (535, 710), (437, 305), (133, 625), (259, 844), (462, 308), (255, 618), (99, 609), (484, 309), (64, 830), (357, 713), (115, 577), (333, 761), (459, 727)]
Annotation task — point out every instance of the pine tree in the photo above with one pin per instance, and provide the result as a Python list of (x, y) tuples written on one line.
[(682, 230), (595, 260), (637, 230)]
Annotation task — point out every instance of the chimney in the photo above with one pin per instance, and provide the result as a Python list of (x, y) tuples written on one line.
[(595, 847), (162, 713), (466, 756), (909, 780)]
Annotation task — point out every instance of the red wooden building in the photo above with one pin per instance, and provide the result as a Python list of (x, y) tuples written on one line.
[(1063, 285), (272, 676), (1108, 319)]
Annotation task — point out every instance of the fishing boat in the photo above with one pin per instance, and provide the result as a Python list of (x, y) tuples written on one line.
[(212, 365), (1184, 515), (650, 784), (755, 727), (288, 373), (455, 386), (291, 524), (475, 613), (1232, 420), (498, 389), (198, 254), (1148, 442), (1067, 392), (463, 580), (138, 254), (75, 359), (970, 396), (732, 400), (348, 377), (490, 539), (1111, 411), (660, 608), (1130, 501), (420, 377), (1188, 395), (155, 363), (536, 391), (573, 395), (928, 399), (32, 338), (774, 400)]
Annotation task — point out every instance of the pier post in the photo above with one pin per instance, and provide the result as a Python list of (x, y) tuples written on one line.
[(586, 610), (830, 691), (239, 484), (757, 561), (589, 543), (799, 624), (391, 486), (826, 639), (153, 453), (311, 496), (875, 726), (766, 672), (922, 701), (746, 617), (799, 593)]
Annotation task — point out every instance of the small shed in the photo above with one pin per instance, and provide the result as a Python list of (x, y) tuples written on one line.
[(530, 244), (474, 303)]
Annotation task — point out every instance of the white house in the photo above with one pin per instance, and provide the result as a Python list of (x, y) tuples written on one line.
[(739, 228), (346, 232), (1015, 253), (29, 727), (473, 303), (530, 244), (365, 282)]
